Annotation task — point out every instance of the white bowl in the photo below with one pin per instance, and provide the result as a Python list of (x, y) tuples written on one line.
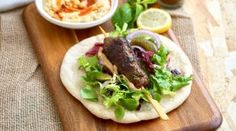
[(76, 25)]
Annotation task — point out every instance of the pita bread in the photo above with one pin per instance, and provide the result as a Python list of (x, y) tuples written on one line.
[(71, 78)]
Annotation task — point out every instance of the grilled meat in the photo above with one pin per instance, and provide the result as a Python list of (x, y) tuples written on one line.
[(119, 52)]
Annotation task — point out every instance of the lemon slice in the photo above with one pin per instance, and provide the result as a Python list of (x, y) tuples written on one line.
[(156, 20)]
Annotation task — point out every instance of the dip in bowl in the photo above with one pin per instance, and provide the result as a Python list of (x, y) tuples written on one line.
[(76, 14)]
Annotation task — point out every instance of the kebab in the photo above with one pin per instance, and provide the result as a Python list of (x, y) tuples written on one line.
[(118, 81)]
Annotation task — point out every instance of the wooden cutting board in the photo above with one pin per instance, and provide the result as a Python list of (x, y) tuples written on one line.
[(51, 42)]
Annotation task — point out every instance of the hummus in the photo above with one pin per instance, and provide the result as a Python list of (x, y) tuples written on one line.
[(77, 10)]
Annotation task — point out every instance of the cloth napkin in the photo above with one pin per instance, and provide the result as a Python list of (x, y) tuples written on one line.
[(6, 5), (25, 101)]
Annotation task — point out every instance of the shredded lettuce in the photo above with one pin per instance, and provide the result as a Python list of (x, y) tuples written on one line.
[(120, 97), (113, 95), (116, 94)]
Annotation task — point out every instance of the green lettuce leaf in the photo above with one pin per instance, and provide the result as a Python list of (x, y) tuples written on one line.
[(88, 93), (160, 57), (156, 96), (129, 103), (120, 95), (163, 82), (89, 63), (119, 112), (97, 75), (180, 81), (111, 95)]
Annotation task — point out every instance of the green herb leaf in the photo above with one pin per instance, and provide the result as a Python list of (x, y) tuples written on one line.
[(147, 2), (129, 12), (119, 32), (119, 112), (136, 11), (122, 15), (88, 93)]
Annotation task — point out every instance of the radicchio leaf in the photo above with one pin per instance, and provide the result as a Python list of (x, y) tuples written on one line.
[(145, 57), (94, 50)]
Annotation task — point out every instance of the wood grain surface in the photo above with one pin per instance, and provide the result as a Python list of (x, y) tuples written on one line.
[(215, 28), (51, 42)]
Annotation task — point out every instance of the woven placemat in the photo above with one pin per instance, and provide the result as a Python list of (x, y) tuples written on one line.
[(183, 29), (25, 102)]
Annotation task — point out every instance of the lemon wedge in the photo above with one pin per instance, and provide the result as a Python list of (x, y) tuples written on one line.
[(155, 20)]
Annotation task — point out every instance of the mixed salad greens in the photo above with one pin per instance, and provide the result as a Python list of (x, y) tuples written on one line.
[(113, 90)]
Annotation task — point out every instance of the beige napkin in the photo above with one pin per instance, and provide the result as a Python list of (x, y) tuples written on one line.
[(25, 102), (6, 5)]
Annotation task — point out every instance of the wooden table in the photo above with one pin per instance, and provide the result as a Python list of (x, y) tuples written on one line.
[(215, 29)]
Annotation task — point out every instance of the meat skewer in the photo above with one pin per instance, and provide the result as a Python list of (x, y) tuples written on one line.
[(118, 50), (158, 108)]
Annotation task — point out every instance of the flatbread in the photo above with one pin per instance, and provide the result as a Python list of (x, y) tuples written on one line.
[(71, 78)]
